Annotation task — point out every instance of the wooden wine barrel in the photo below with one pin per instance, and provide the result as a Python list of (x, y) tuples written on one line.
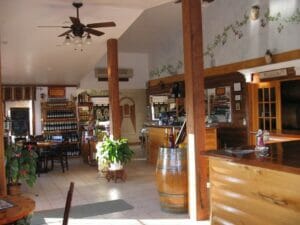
[(171, 179)]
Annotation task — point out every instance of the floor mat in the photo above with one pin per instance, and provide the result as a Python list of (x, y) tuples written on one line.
[(82, 211)]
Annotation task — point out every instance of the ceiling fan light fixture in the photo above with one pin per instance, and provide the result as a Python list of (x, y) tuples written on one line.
[(77, 40), (67, 40), (88, 40)]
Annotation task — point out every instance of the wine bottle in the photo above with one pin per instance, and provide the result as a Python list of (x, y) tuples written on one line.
[(171, 138)]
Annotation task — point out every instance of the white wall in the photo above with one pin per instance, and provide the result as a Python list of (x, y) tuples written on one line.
[(254, 43), (137, 61), (256, 39)]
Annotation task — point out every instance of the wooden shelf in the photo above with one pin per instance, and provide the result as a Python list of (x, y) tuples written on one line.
[(62, 119), (60, 131)]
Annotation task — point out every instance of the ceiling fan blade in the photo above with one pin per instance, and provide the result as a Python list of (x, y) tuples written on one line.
[(74, 20), (65, 33), (104, 24), (94, 32), (53, 26)]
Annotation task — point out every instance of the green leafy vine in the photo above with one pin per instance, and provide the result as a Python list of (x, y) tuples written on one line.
[(235, 28), (166, 68)]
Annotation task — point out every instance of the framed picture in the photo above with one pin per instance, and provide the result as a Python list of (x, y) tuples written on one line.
[(237, 106), (237, 86), (220, 91), (237, 97), (56, 92)]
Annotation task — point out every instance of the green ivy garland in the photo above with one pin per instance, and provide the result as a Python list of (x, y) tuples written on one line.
[(168, 68), (235, 28)]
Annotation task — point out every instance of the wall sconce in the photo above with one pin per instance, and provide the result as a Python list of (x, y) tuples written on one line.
[(254, 12), (268, 56), (42, 96)]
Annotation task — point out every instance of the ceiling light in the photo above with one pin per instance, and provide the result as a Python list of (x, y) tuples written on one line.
[(67, 40), (88, 40), (77, 40)]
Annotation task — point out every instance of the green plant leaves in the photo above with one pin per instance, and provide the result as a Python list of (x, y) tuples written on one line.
[(20, 165), (116, 151)]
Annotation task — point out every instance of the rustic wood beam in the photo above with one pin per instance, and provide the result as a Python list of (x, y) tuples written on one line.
[(113, 88), (194, 86), (233, 67), (3, 190), (247, 64)]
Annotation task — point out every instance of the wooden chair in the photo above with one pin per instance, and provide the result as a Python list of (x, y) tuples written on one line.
[(68, 204), (60, 154)]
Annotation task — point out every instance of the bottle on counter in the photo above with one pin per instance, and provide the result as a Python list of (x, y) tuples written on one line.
[(172, 138), (166, 139)]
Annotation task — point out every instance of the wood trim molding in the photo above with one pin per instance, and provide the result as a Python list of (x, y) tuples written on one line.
[(166, 80), (2, 164), (233, 67)]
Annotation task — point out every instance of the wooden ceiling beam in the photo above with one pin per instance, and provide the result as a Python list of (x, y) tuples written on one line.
[(247, 64)]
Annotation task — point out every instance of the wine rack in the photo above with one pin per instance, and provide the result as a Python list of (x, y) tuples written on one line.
[(59, 122), (84, 112)]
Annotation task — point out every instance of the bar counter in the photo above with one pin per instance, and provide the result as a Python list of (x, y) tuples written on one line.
[(258, 187)]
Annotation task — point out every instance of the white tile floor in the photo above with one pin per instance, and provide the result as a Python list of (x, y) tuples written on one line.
[(139, 191)]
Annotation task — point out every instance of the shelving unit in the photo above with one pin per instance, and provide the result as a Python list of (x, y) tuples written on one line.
[(84, 112), (59, 122)]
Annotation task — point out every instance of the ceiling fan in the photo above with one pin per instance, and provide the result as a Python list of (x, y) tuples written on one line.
[(78, 30)]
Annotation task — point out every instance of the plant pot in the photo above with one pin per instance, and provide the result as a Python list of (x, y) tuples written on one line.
[(115, 166), (14, 189)]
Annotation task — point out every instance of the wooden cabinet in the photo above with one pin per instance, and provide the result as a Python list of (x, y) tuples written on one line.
[(59, 123), (268, 105), (85, 110), (265, 107)]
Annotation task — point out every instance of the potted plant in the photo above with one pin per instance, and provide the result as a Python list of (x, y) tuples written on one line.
[(20, 166), (116, 153)]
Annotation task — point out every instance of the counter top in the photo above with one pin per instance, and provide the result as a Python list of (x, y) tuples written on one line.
[(170, 126), (283, 156), (161, 126)]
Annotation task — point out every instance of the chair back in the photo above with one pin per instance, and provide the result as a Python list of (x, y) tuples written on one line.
[(68, 203)]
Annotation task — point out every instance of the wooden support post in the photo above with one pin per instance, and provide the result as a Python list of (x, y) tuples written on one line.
[(2, 165), (113, 88), (194, 82)]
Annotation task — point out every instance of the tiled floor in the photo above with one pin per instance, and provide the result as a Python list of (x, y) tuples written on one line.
[(139, 191)]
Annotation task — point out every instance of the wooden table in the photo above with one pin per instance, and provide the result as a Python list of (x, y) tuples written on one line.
[(23, 206)]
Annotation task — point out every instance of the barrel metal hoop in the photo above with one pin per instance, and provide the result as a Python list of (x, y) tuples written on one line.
[(174, 169), (163, 194)]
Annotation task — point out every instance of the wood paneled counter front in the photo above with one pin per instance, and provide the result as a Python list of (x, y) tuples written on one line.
[(256, 187), (156, 139)]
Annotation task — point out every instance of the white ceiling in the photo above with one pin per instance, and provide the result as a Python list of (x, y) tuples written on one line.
[(154, 26), (32, 55)]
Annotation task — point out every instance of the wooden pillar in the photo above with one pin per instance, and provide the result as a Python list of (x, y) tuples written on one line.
[(194, 82), (2, 166), (113, 88)]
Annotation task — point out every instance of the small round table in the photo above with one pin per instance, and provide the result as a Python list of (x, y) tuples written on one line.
[(23, 206)]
